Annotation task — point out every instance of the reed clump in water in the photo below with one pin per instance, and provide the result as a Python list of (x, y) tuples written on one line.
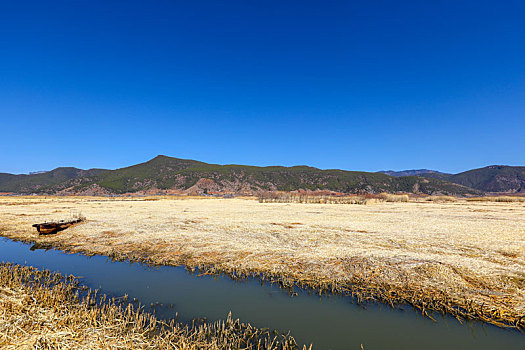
[(364, 287), (44, 310)]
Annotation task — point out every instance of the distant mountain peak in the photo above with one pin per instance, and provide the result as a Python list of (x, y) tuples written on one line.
[(412, 172), (161, 156)]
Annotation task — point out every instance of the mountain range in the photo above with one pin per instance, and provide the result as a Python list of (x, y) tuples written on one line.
[(493, 178), (168, 175), (415, 172)]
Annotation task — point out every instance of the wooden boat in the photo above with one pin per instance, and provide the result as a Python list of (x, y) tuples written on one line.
[(48, 228)]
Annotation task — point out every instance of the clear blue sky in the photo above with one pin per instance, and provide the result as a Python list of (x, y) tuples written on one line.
[(358, 85)]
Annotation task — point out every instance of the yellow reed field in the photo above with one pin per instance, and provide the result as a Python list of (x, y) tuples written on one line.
[(434, 255), (497, 199)]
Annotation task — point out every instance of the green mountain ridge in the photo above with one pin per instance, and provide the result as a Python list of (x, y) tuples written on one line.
[(164, 173), (45, 181)]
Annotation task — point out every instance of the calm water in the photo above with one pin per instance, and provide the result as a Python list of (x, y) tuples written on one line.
[(327, 322)]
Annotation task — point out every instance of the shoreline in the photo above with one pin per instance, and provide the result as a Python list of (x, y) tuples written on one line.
[(360, 290), (365, 281), (43, 308)]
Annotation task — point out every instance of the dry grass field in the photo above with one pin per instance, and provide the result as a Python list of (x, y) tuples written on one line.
[(464, 258)]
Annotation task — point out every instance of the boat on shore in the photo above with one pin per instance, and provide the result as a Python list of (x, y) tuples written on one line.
[(48, 228)]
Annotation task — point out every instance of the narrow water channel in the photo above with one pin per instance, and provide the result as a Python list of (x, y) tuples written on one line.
[(326, 322)]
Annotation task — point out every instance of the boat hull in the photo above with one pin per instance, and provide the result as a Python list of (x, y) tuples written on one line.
[(48, 228)]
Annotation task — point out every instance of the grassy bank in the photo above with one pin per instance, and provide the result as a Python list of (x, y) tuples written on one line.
[(44, 310), (462, 258)]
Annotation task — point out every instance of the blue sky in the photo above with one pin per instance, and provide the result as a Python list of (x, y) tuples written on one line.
[(357, 85)]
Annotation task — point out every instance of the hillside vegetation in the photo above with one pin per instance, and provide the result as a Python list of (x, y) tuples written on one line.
[(189, 176), (494, 178), (50, 181)]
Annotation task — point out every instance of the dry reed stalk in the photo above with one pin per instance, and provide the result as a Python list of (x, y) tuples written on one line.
[(502, 199), (441, 199), (291, 197), (389, 197), (45, 310)]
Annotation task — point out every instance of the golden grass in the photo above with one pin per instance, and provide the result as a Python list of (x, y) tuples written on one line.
[(44, 310), (441, 199), (464, 258), (504, 199), (389, 197)]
